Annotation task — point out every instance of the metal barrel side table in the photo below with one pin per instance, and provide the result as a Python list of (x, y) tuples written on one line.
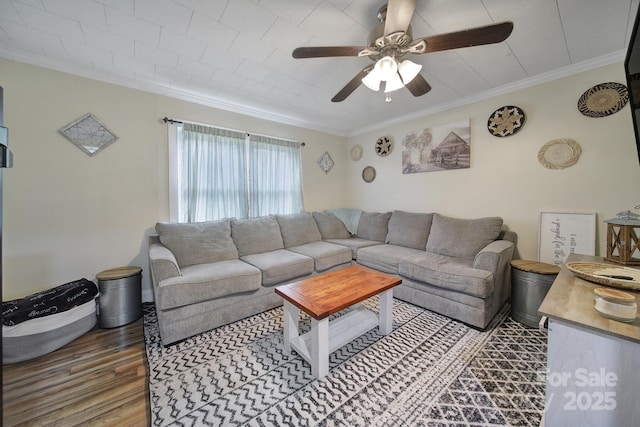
[(530, 282), (120, 300)]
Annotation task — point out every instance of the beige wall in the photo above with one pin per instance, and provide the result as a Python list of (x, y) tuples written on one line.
[(505, 178), (68, 215)]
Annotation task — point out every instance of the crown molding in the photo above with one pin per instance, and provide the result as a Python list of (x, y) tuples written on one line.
[(260, 113), (151, 87)]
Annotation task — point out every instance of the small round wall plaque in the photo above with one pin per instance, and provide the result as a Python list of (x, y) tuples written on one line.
[(368, 174), (506, 121), (356, 152)]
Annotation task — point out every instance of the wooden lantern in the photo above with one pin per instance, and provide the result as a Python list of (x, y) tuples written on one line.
[(623, 239)]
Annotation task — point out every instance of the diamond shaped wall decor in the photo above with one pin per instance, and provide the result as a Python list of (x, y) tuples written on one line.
[(326, 162), (89, 134)]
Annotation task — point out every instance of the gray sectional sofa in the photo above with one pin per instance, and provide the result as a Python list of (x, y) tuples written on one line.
[(208, 274)]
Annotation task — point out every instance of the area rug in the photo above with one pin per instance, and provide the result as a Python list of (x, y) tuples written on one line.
[(430, 371)]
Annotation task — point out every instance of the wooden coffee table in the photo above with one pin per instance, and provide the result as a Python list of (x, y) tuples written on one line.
[(325, 294)]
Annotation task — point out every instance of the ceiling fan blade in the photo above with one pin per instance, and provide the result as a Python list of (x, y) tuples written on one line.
[(326, 51), (399, 14), (352, 85), (466, 38), (418, 86)]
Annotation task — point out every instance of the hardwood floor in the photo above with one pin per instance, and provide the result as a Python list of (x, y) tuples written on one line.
[(98, 379)]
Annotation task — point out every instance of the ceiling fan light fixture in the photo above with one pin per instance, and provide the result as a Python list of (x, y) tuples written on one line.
[(386, 68), (372, 80), (408, 70), (394, 83)]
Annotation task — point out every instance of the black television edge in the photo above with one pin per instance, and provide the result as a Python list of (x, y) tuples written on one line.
[(632, 71)]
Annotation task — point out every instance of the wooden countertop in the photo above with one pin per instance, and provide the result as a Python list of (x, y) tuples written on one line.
[(570, 300)]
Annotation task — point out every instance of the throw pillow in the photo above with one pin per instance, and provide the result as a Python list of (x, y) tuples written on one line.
[(462, 238), (298, 229), (256, 235), (198, 242), (373, 225), (330, 226), (409, 229)]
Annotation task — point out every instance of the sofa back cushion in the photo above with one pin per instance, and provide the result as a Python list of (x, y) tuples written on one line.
[(256, 235), (373, 226), (462, 238), (298, 229), (330, 226), (198, 242), (409, 229)]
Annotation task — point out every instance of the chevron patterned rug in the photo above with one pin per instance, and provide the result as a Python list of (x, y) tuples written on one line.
[(430, 371)]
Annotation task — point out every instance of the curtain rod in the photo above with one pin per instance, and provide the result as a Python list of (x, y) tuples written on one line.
[(174, 121)]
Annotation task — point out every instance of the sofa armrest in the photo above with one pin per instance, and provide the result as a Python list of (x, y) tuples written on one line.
[(494, 255), (496, 258), (163, 263)]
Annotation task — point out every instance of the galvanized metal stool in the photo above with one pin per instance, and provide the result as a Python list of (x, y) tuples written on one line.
[(530, 282), (120, 300)]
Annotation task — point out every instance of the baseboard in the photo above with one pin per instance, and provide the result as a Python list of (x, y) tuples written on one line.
[(147, 295)]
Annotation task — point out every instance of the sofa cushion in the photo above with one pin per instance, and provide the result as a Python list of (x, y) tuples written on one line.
[(462, 238), (330, 226), (256, 235), (325, 255), (446, 272), (409, 229), (354, 243), (203, 282), (199, 242), (280, 265), (298, 229), (373, 226), (384, 257)]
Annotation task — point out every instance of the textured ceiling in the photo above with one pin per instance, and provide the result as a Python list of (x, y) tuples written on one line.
[(236, 54)]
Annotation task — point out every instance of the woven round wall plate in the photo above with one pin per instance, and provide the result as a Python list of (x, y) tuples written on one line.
[(506, 121), (603, 99), (559, 153), (383, 146)]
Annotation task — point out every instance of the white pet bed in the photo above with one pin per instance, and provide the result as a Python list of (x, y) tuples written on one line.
[(42, 335)]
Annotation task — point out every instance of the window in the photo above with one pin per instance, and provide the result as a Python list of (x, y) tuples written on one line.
[(217, 173)]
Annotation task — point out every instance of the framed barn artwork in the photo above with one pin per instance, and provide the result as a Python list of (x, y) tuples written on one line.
[(437, 148)]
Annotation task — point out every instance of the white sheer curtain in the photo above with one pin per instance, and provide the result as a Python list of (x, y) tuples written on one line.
[(275, 176), (226, 173), (213, 174)]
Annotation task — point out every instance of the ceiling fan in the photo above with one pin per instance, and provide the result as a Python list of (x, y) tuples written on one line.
[(391, 40)]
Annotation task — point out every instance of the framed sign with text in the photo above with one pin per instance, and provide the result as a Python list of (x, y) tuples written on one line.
[(564, 233)]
